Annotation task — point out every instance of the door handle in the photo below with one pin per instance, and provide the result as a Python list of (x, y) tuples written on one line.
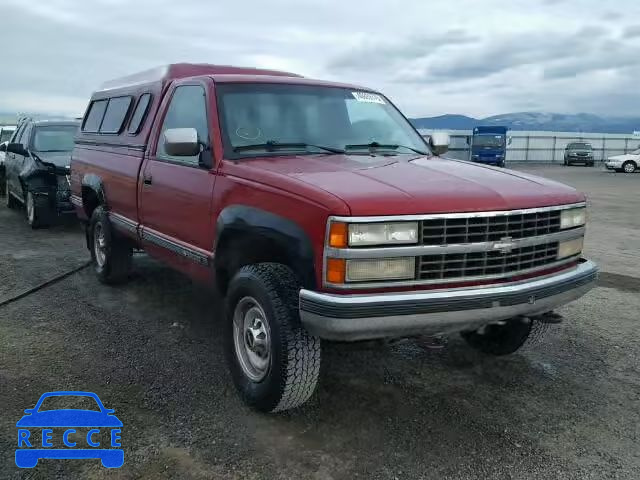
[(147, 179)]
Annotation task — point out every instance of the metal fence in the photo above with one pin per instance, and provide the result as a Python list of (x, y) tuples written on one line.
[(546, 147)]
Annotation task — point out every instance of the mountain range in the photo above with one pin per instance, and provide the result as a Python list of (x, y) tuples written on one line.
[(555, 122), (535, 121)]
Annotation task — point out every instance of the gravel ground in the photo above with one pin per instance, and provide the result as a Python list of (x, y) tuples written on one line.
[(565, 407)]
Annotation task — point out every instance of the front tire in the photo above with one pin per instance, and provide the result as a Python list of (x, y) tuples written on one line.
[(629, 166), (500, 339), (38, 210), (111, 254), (274, 361)]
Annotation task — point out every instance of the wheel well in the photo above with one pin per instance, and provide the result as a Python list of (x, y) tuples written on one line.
[(89, 201), (237, 249)]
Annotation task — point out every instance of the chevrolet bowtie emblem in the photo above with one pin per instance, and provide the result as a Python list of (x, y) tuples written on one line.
[(505, 245)]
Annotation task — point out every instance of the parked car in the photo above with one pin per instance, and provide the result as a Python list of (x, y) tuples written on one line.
[(579, 152), (37, 169), (320, 213), (628, 163), (6, 131), (3, 153)]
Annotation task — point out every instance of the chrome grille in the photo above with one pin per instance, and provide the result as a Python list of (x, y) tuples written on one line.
[(447, 231), (475, 264)]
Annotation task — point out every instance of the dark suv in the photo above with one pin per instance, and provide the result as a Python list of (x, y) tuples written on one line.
[(37, 162), (579, 153)]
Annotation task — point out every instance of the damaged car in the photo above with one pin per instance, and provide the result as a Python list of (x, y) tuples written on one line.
[(37, 160)]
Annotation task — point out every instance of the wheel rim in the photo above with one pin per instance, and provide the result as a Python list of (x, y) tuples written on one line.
[(629, 167), (252, 338), (30, 208), (99, 244)]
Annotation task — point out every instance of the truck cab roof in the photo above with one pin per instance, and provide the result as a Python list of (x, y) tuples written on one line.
[(163, 75)]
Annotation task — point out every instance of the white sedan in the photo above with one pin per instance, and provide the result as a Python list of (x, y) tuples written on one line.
[(628, 163)]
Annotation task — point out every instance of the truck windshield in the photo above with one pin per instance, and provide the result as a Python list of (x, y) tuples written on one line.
[(491, 140), (54, 138), (277, 119)]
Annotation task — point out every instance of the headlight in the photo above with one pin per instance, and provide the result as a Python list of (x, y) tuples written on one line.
[(380, 269), (574, 217), (570, 248), (365, 234)]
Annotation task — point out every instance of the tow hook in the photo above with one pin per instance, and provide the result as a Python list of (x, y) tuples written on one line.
[(549, 317)]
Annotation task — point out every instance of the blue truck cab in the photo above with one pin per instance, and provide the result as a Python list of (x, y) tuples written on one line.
[(489, 145)]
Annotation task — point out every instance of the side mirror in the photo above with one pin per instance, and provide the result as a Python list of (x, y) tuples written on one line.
[(181, 142), (509, 140), (29, 410), (439, 142), (17, 148), (109, 411), (3, 147)]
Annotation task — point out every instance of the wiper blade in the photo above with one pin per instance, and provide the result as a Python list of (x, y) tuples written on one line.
[(376, 145), (272, 145)]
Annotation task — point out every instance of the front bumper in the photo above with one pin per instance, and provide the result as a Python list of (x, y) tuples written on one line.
[(613, 165), (367, 316)]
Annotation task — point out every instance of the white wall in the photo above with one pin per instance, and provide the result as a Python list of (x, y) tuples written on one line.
[(546, 147)]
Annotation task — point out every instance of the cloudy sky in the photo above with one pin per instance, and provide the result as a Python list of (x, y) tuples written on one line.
[(431, 57)]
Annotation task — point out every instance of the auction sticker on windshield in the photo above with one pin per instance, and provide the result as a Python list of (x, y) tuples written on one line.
[(368, 97)]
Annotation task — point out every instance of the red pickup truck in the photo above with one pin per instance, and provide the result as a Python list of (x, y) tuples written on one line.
[(320, 213)]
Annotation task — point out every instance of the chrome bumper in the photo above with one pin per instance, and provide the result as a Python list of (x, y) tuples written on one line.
[(367, 316)]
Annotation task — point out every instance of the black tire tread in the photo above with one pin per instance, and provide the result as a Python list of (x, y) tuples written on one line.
[(300, 366), (41, 212), (119, 251)]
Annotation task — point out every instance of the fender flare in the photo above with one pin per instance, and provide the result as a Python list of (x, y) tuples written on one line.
[(94, 183), (283, 231)]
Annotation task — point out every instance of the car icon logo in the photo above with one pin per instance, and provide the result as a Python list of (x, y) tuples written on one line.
[(82, 428)]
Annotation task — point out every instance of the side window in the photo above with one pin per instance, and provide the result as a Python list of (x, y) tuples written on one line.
[(94, 116), (115, 114), (186, 110), (140, 113)]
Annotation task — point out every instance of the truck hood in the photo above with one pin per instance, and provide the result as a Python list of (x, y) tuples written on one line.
[(415, 185), (59, 159)]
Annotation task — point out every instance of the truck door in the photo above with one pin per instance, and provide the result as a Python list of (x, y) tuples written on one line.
[(175, 193)]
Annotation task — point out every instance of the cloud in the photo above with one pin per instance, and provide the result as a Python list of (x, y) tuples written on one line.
[(430, 57), (380, 55), (507, 52), (632, 31)]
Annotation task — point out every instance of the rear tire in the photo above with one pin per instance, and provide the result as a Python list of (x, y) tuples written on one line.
[(111, 253), (10, 201), (274, 361), (629, 166), (38, 210), (500, 339)]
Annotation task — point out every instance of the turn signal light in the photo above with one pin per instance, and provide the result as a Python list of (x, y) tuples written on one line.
[(336, 270), (338, 235)]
